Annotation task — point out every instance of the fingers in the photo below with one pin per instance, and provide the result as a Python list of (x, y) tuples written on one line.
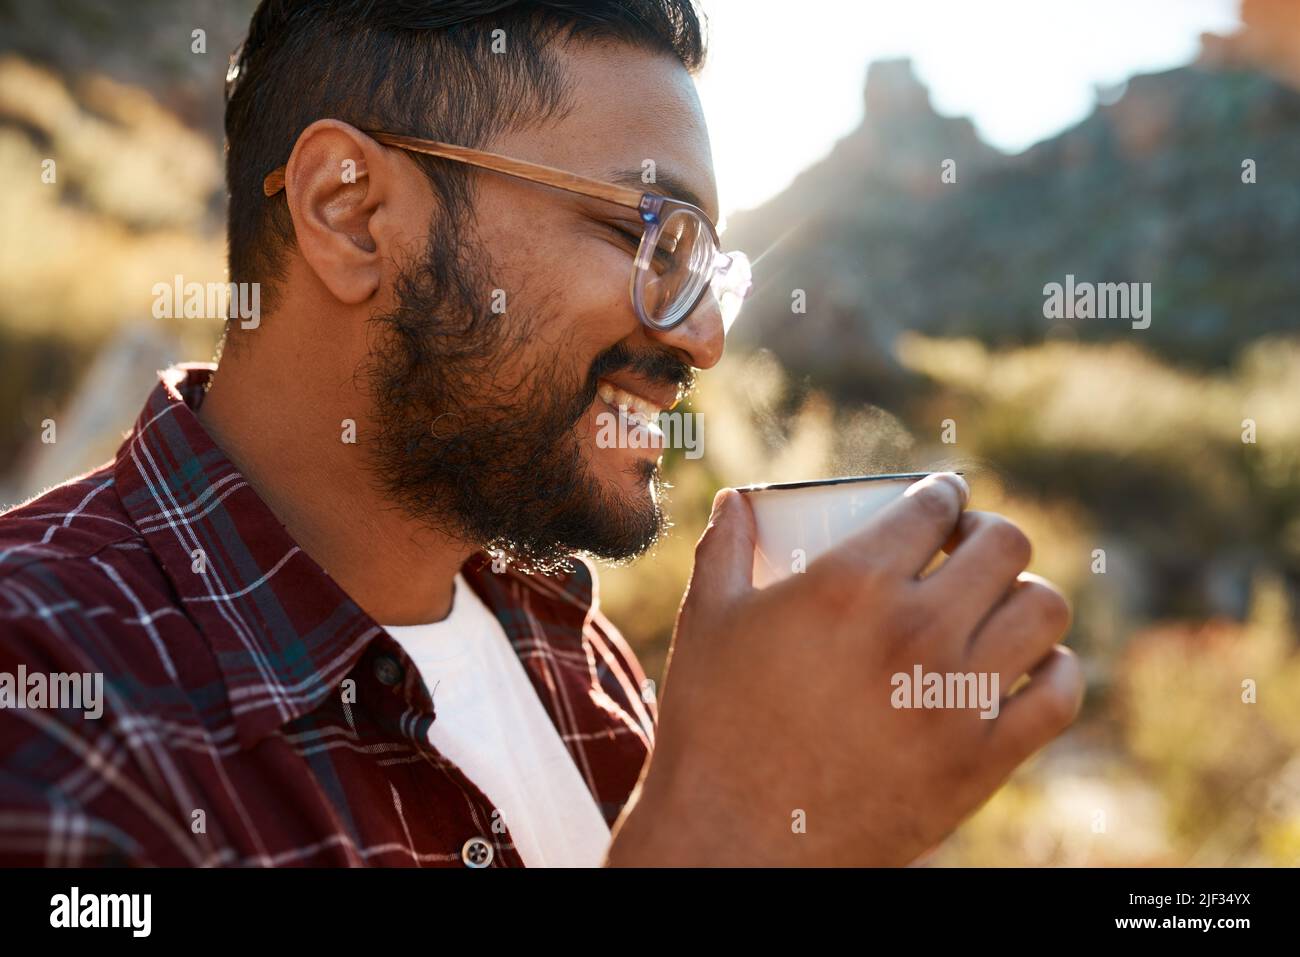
[(1021, 630), (986, 554), (724, 556), (1040, 711), (904, 535)]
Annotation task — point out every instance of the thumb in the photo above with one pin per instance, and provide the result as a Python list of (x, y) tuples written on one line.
[(724, 557)]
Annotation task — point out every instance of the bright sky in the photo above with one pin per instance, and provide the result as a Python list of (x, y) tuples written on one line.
[(784, 81)]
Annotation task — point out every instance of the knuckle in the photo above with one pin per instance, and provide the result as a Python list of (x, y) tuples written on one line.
[(937, 501), (1050, 608), (703, 546), (1009, 540), (710, 550), (1061, 705), (707, 537)]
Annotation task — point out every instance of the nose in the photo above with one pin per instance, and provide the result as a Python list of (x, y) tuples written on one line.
[(700, 337)]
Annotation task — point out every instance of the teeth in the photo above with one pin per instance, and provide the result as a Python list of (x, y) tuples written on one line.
[(642, 410)]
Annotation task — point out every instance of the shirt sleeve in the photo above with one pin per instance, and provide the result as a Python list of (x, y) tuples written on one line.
[(71, 793)]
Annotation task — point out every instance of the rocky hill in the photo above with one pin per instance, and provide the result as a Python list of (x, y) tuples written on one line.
[(1148, 189)]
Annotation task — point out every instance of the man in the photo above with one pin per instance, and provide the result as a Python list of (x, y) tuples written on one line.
[(331, 587)]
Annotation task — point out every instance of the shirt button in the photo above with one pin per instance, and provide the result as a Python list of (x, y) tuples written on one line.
[(476, 852), (387, 670)]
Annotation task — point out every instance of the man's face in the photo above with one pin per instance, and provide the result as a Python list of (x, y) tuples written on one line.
[(495, 380)]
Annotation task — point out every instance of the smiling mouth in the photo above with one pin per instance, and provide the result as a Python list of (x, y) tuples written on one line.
[(637, 409)]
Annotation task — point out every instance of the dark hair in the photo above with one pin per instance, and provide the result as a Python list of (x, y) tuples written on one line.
[(419, 67)]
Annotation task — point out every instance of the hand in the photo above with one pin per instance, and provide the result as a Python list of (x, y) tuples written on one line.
[(779, 703)]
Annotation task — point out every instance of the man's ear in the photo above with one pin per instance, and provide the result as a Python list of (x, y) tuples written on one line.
[(339, 184)]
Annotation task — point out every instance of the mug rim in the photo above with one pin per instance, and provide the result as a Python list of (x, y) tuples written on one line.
[(842, 480)]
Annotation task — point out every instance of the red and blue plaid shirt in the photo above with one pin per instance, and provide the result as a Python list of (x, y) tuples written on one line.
[(254, 714)]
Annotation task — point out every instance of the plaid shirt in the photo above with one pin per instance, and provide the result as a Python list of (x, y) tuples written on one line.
[(253, 713)]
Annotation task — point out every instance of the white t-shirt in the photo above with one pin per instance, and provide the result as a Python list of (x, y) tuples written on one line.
[(491, 724)]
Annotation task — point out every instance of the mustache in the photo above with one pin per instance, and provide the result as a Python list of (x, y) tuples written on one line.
[(659, 366)]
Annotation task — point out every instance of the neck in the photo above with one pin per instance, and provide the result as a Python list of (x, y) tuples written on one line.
[(278, 415)]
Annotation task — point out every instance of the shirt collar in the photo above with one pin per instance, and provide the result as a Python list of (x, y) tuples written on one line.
[(283, 632)]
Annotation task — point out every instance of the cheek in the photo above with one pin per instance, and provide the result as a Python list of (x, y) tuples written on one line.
[(564, 285), (570, 288), (584, 306)]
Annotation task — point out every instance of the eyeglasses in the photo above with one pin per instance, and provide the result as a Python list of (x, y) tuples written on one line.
[(677, 261)]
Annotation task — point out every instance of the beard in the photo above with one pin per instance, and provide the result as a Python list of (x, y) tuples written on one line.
[(497, 466)]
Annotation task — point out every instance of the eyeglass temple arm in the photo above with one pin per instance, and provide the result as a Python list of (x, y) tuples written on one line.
[(534, 172)]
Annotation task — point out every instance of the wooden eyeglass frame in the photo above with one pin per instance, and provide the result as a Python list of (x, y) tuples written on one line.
[(651, 207), (536, 172)]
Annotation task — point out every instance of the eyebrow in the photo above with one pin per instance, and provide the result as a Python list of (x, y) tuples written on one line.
[(665, 183)]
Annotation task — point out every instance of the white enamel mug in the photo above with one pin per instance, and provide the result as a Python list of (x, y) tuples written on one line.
[(799, 521)]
